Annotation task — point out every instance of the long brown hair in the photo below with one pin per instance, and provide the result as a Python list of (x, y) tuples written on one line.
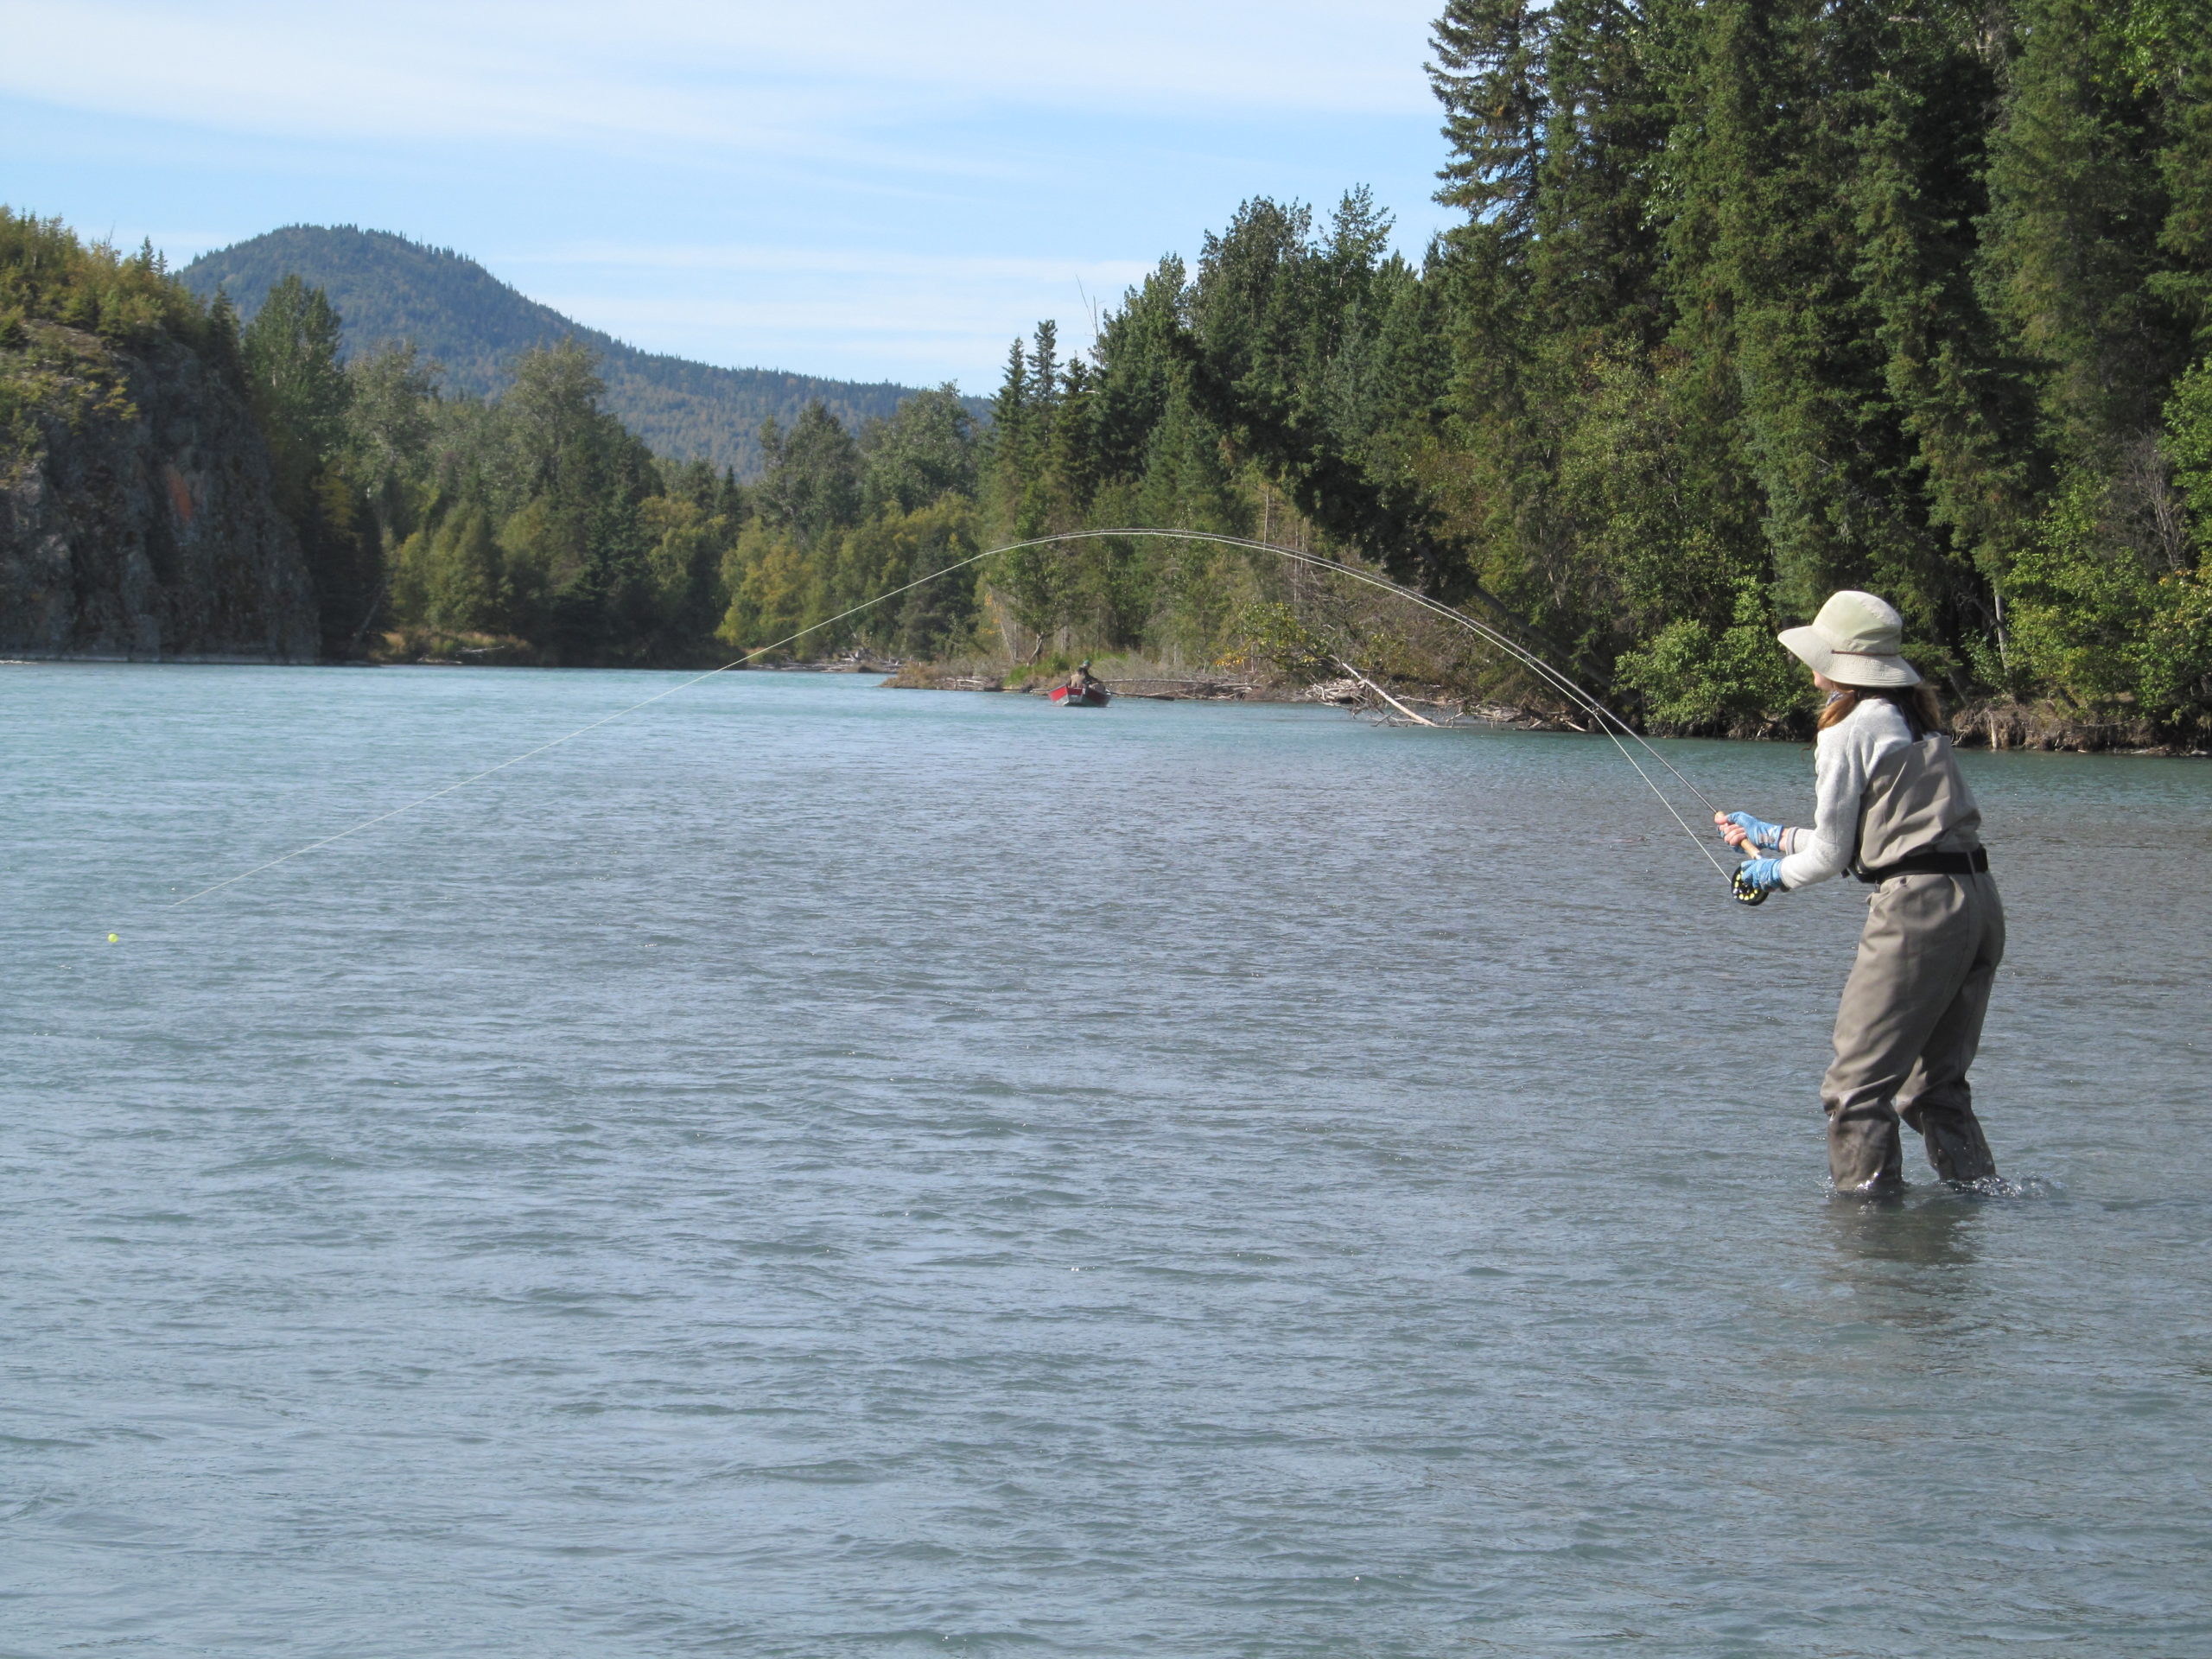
[(1922, 713)]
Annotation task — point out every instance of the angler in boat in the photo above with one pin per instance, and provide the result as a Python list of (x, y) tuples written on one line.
[(1892, 809), (1083, 688)]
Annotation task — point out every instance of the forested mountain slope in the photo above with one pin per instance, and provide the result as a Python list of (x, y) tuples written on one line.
[(459, 314)]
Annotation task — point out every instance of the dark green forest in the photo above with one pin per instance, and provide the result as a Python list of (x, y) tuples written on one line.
[(1753, 301), (1750, 302), (476, 329)]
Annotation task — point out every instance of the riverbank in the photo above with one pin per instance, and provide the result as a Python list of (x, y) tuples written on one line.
[(1393, 702), (2039, 727), (2043, 727)]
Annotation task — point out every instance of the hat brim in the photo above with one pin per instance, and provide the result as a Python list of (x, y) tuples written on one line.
[(1846, 667)]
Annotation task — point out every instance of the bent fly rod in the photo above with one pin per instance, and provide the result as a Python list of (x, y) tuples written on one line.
[(1606, 720)]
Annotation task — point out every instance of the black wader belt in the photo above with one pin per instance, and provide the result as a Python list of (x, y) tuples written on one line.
[(1974, 863)]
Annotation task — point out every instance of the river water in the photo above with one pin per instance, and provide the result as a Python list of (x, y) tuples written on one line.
[(813, 1170)]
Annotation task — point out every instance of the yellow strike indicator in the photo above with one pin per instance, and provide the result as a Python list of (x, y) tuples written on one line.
[(112, 939)]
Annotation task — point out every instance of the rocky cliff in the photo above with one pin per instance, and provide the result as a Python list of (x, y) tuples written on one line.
[(136, 517)]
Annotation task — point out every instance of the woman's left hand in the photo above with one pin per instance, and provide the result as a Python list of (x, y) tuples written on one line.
[(1761, 875)]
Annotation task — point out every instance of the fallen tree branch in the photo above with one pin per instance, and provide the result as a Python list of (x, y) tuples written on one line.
[(1381, 693)]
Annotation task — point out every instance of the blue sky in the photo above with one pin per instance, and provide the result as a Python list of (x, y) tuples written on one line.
[(871, 191)]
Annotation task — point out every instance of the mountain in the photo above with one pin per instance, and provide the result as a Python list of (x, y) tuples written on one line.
[(387, 288)]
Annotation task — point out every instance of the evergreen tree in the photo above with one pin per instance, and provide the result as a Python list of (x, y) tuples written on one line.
[(291, 355), (1489, 76), (925, 451), (813, 483), (391, 419)]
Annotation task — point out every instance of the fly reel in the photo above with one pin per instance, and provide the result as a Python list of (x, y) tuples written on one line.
[(1744, 891)]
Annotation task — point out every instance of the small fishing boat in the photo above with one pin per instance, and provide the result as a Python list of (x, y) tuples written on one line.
[(1091, 696)]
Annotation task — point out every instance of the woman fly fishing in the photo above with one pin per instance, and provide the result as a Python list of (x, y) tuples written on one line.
[(1892, 808)]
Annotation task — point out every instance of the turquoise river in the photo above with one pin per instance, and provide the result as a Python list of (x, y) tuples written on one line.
[(810, 1170)]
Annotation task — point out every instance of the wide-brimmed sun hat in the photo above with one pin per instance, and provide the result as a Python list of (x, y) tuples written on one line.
[(1853, 641)]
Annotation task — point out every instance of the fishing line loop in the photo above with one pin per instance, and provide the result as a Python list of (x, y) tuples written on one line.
[(1607, 721)]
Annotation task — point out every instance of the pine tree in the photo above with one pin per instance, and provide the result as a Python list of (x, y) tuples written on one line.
[(291, 351), (926, 450), (289, 355), (812, 488), (2078, 206), (1488, 74)]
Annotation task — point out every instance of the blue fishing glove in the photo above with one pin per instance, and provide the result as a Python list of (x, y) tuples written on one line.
[(1761, 876), (1762, 833)]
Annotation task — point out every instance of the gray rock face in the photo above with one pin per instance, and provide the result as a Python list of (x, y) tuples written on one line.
[(144, 531)]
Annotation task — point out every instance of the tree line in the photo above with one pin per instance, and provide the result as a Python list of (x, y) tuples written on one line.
[(1757, 299), (1754, 299)]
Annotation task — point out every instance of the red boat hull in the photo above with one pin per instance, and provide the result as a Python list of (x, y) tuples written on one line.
[(1095, 697)]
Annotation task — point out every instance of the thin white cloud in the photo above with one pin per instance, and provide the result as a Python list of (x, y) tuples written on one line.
[(750, 76), (873, 188), (363, 75)]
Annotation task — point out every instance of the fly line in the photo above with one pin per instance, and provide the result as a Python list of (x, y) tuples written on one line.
[(1606, 720)]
